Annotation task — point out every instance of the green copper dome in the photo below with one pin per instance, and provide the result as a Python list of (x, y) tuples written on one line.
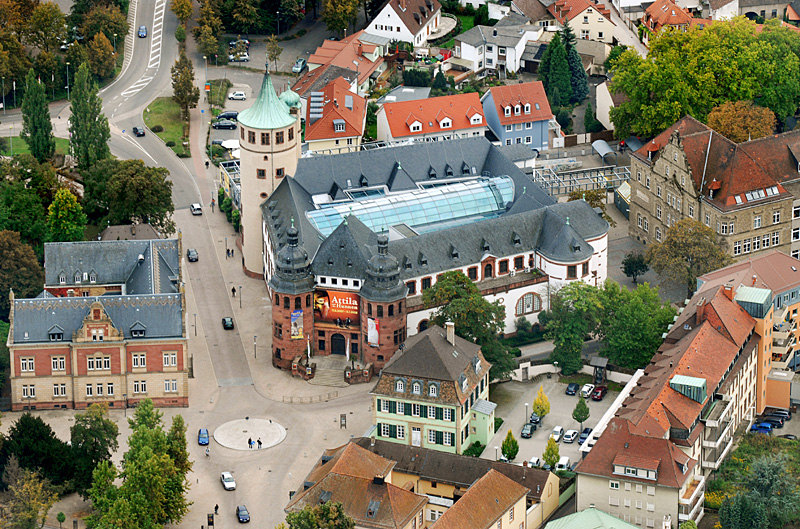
[(268, 112), (290, 98)]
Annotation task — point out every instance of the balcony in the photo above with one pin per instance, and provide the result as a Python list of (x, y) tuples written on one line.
[(712, 463), (716, 436), (691, 501)]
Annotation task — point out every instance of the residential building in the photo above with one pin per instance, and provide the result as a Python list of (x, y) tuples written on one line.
[(535, 10), (738, 190), (362, 482), (336, 118), (606, 100), (109, 327), (519, 114), (318, 78), (444, 477), (484, 49), (435, 393), (494, 501), (405, 93), (125, 232), (437, 118), (723, 9), (666, 13), (590, 518), (363, 234), (588, 20), (412, 21), (763, 8)]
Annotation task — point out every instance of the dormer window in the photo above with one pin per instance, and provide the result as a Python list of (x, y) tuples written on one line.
[(448, 170), (517, 240), (56, 336), (507, 111), (77, 278), (62, 278), (517, 109), (138, 333), (416, 388), (527, 108), (433, 390), (93, 277), (446, 124), (476, 363), (476, 119), (338, 125), (400, 386), (464, 383)]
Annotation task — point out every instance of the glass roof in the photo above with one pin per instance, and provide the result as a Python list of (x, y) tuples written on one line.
[(438, 207)]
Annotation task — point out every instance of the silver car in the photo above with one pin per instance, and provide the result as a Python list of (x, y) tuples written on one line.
[(228, 483)]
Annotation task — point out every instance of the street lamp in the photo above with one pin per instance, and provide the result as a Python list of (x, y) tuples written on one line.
[(278, 20), (255, 352), (67, 80), (125, 398), (215, 60), (526, 412), (195, 324), (226, 247), (115, 43), (496, 458), (206, 59), (240, 296)]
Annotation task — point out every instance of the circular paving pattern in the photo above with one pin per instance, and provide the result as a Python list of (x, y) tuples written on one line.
[(236, 434)]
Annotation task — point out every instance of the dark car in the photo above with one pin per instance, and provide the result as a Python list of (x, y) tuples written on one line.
[(227, 323), (224, 124), (781, 418), (779, 412), (572, 388), (789, 437), (599, 392), (242, 514), (138, 131), (527, 431), (535, 419), (216, 142), (229, 114), (202, 437), (142, 32), (584, 435), (191, 255), (776, 422)]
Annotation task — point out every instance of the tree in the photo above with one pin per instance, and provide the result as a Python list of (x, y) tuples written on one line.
[(510, 446), (101, 56), (613, 55), (48, 69), (742, 121), (76, 55), (93, 438), (559, 76), (578, 79), (66, 219), (688, 524), (329, 515), (207, 43), (137, 193), (209, 16), (182, 9), (37, 129), (690, 249), (338, 14), (274, 51), (634, 265), (31, 500), (38, 449), (694, 71), (61, 518), (581, 412), (19, 270), (590, 121), (88, 125), (244, 14), (541, 404), (596, 198), (439, 82), (105, 19), (742, 511), (551, 454), (573, 316), (184, 91), (458, 300), (543, 72), (775, 488), (46, 27)]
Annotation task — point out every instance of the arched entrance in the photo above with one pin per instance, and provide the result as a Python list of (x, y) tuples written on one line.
[(488, 271), (338, 346), (422, 325)]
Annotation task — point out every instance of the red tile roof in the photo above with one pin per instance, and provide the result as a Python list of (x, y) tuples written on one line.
[(343, 52), (665, 13), (773, 270), (337, 92), (460, 107), (521, 94), (319, 76), (568, 9), (488, 499)]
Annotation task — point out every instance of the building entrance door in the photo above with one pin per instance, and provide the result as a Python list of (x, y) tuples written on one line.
[(416, 436), (338, 346)]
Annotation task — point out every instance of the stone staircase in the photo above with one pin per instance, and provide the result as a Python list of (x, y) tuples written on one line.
[(329, 377)]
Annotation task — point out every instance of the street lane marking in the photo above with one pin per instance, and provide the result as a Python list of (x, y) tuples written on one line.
[(154, 58)]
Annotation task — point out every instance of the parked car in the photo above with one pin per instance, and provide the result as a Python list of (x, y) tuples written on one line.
[(237, 96), (239, 57), (774, 421), (572, 388), (234, 43), (228, 483), (778, 411), (527, 431), (202, 437), (535, 419), (142, 32), (138, 131), (242, 514), (762, 427), (535, 462), (557, 433), (224, 124), (227, 323), (197, 209), (584, 435), (191, 255), (229, 114), (563, 463), (789, 437), (216, 142), (599, 392), (782, 418), (586, 390), (299, 65), (570, 436)]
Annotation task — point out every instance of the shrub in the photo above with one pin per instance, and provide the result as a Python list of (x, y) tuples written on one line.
[(170, 143), (184, 154), (220, 197), (157, 128), (226, 205), (714, 499), (563, 117), (475, 449), (180, 34), (235, 220), (498, 422)]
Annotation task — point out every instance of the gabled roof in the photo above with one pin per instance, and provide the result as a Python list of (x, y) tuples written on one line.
[(318, 78), (486, 501), (590, 518), (345, 252), (665, 13), (414, 14), (564, 10), (521, 94), (339, 103), (533, 9), (773, 270), (343, 53), (461, 107)]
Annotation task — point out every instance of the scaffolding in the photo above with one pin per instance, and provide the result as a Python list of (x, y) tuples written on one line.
[(563, 183)]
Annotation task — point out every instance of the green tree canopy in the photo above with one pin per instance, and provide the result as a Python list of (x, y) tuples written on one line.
[(37, 129), (559, 77), (37, 448), (101, 56), (551, 454), (105, 19), (93, 438), (46, 26), (572, 317), (31, 497), (510, 446), (690, 249), (691, 72), (274, 51), (578, 79), (596, 198), (184, 91), (88, 125), (338, 14), (182, 9), (137, 193), (329, 515), (65, 219), (634, 265), (19, 270), (581, 412)]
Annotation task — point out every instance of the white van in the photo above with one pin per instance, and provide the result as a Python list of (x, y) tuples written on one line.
[(563, 463), (196, 209)]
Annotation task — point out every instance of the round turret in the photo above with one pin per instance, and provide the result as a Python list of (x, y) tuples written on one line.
[(383, 275), (292, 267), (290, 98)]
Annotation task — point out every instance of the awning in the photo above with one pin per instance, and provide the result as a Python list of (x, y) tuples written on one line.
[(633, 143), (230, 144), (602, 148), (464, 63)]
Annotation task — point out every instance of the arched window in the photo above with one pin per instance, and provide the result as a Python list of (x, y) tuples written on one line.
[(277, 300), (308, 300), (433, 390), (416, 388), (399, 386), (298, 304), (286, 302), (488, 271), (422, 325), (528, 304)]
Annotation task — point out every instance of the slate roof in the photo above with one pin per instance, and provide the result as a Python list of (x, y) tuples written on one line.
[(407, 9), (116, 263), (484, 503), (345, 250), (268, 112), (125, 232), (508, 36), (512, 19), (533, 9), (773, 270), (160, 314), (429, 355), (316, 79), (430, 112), (453, 469), (336, 95), (516, 152), (521, 94)]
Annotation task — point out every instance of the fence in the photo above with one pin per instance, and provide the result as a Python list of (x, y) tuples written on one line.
[(291, 399), (532, 369)]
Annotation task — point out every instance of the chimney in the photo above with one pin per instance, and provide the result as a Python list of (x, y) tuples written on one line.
[(451, 332), (372, 441), (133, 229), (402, 5), (728, 289), (378, 480), (335, 103), (360, 48), (701, 310), (754, 279), (525, 464)]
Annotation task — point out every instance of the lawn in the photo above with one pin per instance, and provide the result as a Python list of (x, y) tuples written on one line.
[(219, 92), (165, 113), (21, 147), (467, 22)]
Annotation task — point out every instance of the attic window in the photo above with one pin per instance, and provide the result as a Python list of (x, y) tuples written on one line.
[(536, 105), (477, 364), (372, 509), (325, 497), (431, 173), (423, 261), (363, 182), (77, 278), (516, 110), (433, 390), (56, 336), (507, 111), (517, 240), (448, 170), (416, 388), (453, 252), (338, 125), (137, 333), (527, 108), (62, 279), (93, 277), (399, 386), (485, 246)]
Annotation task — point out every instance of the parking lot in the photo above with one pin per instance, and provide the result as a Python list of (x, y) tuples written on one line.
[(512, 398)]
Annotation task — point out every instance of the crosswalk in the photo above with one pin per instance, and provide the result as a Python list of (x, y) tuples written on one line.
[(154, 59)]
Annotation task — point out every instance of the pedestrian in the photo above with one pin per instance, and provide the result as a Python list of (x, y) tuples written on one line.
[(216, 509), (233, 293), (231, 252), (259, 443), (250, 443), (206, 164)]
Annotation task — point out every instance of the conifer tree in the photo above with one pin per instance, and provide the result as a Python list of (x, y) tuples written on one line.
[(37, 129)]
